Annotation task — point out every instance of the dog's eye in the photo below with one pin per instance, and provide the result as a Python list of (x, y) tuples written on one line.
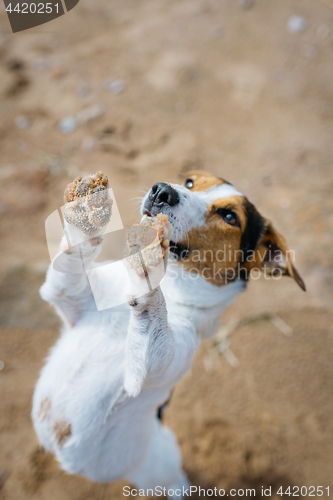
[(188, 183), (229, 216)]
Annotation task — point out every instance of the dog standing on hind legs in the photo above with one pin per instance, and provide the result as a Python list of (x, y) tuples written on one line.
[(96, 401)]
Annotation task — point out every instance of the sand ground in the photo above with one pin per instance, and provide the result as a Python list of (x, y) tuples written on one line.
[(204, 84)]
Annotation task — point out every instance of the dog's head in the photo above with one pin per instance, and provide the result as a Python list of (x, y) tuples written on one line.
[(217, 232)]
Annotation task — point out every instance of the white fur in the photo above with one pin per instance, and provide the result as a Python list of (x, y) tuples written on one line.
[(110, 370)]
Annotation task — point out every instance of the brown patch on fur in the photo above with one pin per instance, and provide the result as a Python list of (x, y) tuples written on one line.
[(62, 431), (203, 180), (236, 204), (214, 249), (44, 409), (222, 253), (273, 255)]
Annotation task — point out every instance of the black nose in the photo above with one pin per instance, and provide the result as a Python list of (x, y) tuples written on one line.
[(161, 193)]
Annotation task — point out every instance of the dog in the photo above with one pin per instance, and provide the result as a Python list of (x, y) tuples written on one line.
[(96, 403)]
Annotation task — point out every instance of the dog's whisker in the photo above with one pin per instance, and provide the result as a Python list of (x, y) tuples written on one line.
[(135, 208), (145, 190), (136, 198)]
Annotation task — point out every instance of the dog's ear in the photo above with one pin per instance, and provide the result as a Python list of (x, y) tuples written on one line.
[(275, 257)]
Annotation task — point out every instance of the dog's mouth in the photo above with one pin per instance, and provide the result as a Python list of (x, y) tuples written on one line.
[(178, 250), (164, 205), (152, 210)]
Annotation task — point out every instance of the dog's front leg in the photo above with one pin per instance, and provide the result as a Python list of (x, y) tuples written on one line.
[(67, 286), (86, 218), (150, 342)]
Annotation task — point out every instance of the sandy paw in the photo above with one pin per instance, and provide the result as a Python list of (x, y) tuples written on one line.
[(88, 203)]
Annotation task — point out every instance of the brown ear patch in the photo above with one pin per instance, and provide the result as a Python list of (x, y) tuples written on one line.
[(202, 180), (213, 250), (293, 273), (275, 256), (258, 246)]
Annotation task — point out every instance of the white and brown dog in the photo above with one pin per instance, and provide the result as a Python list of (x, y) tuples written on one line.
[(96, 401)]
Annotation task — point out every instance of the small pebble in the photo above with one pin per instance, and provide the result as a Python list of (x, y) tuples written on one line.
[(296, 24), (115, 86), (22, 122), (68, 125), (91, 113), (2, 365)]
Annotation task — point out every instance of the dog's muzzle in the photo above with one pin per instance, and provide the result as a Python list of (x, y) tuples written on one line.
[(160, 199)]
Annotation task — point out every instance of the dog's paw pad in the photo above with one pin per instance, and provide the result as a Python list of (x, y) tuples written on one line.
[(88, 203), (83, 186)]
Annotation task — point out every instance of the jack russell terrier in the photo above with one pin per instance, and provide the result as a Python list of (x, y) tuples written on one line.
[(96, 402)]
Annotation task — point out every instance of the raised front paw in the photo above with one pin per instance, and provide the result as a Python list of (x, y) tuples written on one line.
[(88, 203)]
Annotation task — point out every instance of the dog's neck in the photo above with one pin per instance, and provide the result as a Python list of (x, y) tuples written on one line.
[(192, 297)]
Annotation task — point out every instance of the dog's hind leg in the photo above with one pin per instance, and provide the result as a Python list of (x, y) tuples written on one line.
[(161, 467)]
